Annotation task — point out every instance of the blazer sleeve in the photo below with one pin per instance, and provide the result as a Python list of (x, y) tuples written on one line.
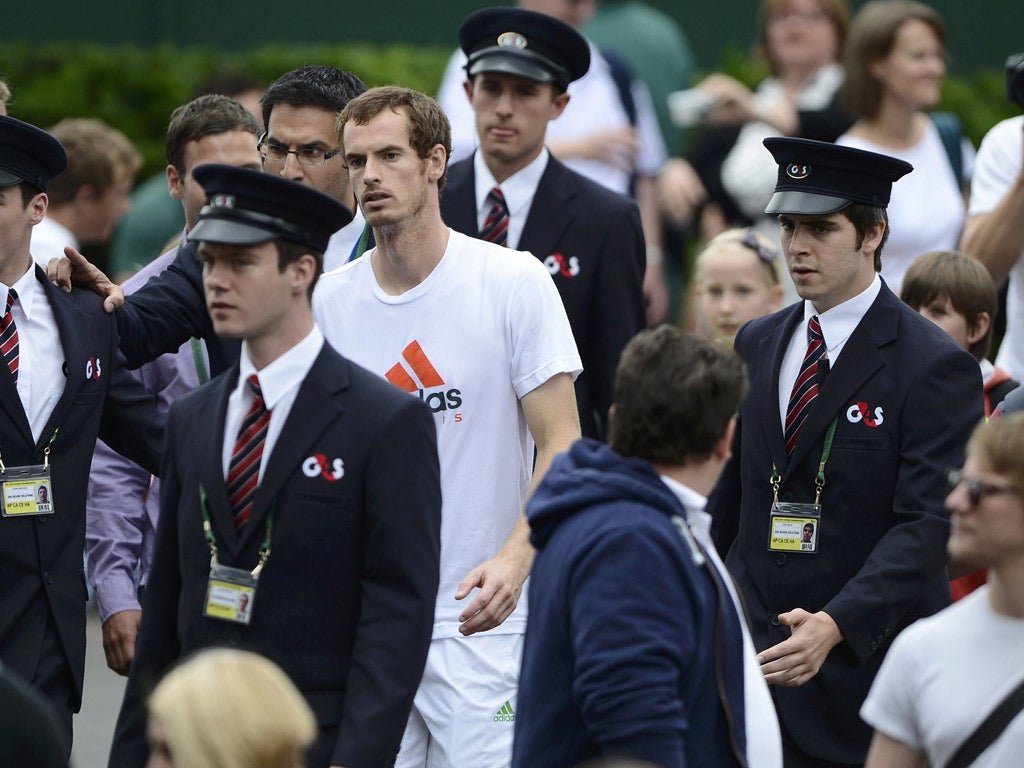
[(399, 581), (158, 645), (165, 312), (943, 404)]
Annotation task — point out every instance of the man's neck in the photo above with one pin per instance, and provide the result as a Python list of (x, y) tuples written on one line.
[(1006, 588), (265, 349), (403, 259), (14, 269), (700, 476), (503, 171)]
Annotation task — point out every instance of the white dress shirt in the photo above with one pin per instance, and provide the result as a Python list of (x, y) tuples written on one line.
[(518, 190)]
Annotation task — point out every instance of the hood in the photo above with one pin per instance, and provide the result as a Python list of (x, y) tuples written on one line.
[(588, 475)]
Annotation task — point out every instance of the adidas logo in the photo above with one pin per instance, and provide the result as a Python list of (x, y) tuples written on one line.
[(506, 714), (415, 373)]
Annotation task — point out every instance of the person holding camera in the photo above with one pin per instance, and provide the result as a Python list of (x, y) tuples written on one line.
[(993, 233)]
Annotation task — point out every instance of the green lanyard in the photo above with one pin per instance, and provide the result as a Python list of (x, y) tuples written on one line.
[(819, 479), (212, 541), (200, 361)]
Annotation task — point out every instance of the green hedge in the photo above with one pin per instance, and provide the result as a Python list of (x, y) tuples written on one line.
[(135, 89)]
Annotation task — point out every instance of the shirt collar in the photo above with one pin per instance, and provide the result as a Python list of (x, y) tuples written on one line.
[(27, 286), (284, 373), (694, 503), (518, 188), (840, 321)]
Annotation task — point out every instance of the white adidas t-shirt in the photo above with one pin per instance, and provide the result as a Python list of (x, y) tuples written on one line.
[(942, 677), (484, 329)]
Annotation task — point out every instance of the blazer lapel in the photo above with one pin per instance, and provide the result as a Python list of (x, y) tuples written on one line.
[(317, 406), (859, 361), (542, 230), (773, 347), (212, 411), (82, 357)]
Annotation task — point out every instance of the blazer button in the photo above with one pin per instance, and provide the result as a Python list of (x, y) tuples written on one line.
[(47, 577), (874, 646), (774, 621), (43, 519), (781, 560)]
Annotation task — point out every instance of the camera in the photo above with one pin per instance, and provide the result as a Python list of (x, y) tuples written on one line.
[(689, 107), (1015, 79)]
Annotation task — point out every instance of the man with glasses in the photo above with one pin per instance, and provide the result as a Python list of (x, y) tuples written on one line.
[(946, 674)]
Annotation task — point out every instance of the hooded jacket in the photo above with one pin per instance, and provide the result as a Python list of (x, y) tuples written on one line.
[(620, 650)]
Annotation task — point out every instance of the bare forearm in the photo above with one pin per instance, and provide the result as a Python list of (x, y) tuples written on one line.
[(996, 239)]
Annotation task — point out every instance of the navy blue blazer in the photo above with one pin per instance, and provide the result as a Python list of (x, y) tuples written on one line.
[(345, 603), (591, 241), (905, 398), (41, 569)]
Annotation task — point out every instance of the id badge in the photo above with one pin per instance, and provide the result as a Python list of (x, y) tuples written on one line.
[(27, 491), (795, 527), (230, 594)]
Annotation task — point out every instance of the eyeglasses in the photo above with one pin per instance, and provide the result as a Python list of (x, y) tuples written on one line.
[(976, 489), (276, 154)]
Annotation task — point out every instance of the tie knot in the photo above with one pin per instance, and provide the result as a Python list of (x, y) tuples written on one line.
[(813, 329), (254, 385), (496, 197)]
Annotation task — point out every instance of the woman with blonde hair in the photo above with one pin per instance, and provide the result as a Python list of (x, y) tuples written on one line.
[(895, 64), (225, 708)]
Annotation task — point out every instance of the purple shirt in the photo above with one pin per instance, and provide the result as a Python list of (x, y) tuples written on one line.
[(123, 503)]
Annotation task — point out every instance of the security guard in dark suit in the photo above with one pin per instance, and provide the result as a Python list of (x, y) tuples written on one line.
[(62, 384), (857, 406), (590, 239), (320, 547)]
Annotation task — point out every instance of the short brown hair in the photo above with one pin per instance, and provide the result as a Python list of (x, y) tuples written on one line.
[(872, 37), (427, 124), (674, 396), (961, 279), (837, 11), (205, 116), (98, 156), (866, 217), (1000, 442), (287, 252)]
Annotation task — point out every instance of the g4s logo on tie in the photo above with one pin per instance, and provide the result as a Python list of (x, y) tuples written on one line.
[(558, 264), (318, 464), (93, 368), (861, 411)]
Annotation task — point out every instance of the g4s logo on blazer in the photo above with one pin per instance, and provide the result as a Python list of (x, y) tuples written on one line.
[(318, 464), (558, 264), (93, 368), (861, 411)]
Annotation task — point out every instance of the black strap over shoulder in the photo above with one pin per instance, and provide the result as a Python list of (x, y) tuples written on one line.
[(989, 730)]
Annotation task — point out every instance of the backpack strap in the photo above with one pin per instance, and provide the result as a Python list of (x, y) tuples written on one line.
[(951, 133), (622, 74), (989, 730)]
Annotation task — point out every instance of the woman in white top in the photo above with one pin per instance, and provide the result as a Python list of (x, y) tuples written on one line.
[(894, 70)]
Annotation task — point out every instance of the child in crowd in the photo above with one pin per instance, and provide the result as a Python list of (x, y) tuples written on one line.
[(956, 293), (735, 281)]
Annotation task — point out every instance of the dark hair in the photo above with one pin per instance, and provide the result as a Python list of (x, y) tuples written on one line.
[(314, 85), (428, 126), (287, 252), (872, 37), (204, 116), (865, 218), (961, 279), (674, 396)]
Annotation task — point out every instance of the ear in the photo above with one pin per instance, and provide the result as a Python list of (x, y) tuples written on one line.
[(558, 105), (38, 204), (878, 68), (467, 86), (981, 325), (175, 184), (872, 238), (437, 161), (723, 449), (303, 272)]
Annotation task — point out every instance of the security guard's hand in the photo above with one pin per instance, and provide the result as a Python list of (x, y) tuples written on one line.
[(796, 660)]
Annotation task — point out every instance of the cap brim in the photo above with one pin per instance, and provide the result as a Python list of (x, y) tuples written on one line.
[(808, 203), (510, 64), (229, 231), (8, 179)]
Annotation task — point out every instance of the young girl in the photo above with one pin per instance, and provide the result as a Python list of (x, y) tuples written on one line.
[(735, 281)]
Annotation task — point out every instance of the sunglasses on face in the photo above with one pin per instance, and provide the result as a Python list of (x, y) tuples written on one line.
[(976, 489)]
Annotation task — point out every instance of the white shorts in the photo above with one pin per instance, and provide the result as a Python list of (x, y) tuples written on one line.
[(463, 715)]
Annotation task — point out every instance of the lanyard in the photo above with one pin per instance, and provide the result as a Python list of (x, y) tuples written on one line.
[(819, 479), (46, 454), (361, 244), (200, 361), (212, 541)]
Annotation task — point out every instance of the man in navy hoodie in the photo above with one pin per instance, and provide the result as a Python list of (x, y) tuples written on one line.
[(636, 644)]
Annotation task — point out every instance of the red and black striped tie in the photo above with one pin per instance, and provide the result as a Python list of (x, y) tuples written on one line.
[(9, 336), (244, 468), (805, 390), (496, 225)]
